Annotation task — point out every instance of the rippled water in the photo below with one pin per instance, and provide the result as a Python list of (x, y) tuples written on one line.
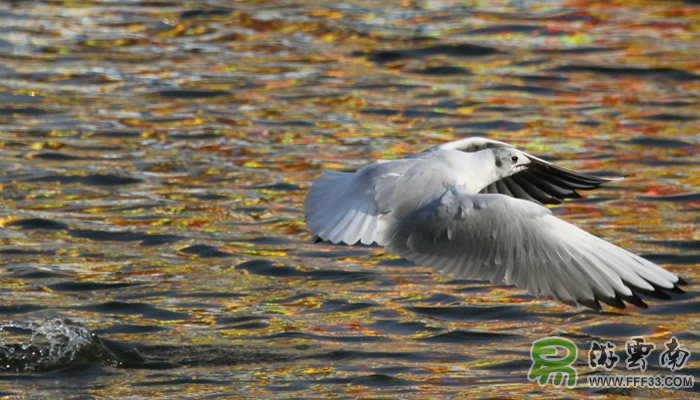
[(155, 157)]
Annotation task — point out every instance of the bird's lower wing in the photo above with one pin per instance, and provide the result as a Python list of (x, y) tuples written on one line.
[(496, 237)]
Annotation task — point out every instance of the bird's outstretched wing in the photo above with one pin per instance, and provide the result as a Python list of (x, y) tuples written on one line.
[(341, 207), (347, 207), (500, 238), (544, 182)]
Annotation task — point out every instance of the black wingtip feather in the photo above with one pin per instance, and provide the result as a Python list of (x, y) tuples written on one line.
[(578, 177), (675, 289), (666, 291), (533, 191), (657, 293), (561, 179), (681, 282), (549, 188), (619, 300), (590, 304), (573, 178), (613, 301), (634, 300)]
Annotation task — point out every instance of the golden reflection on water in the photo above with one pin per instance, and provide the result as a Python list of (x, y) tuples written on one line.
[(136, 132)]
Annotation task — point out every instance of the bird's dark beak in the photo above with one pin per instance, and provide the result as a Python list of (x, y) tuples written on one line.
[(536, 163)]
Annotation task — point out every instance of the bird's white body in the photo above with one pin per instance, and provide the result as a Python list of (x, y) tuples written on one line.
[(470, 208)]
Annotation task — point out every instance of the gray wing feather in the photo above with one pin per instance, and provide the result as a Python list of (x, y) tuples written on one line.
[(349, 207), (341, 208), (500, 238)]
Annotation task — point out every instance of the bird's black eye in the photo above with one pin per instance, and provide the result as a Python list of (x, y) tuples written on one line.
[(514, 159)]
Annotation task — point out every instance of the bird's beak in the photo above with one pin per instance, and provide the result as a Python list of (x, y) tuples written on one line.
[(536, 162)]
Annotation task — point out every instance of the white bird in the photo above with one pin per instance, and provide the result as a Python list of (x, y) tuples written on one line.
[(471, 208)]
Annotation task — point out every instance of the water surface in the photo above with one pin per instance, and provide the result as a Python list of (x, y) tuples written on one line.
[(155, 157)]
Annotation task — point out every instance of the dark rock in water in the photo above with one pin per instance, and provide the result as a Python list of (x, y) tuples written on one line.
[(52, 344)]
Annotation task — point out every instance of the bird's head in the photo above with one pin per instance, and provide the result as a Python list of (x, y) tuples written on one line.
[(509, 161)]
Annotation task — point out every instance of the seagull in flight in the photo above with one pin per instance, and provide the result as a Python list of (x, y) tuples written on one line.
[(472, 208)]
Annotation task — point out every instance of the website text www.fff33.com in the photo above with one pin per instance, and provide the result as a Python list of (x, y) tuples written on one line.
[(641, 381)]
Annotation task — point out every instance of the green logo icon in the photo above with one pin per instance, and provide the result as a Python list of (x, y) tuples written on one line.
[(551, 359)]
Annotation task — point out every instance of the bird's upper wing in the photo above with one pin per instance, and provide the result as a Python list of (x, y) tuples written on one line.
[(346, 206), (349, 207), (543, 183), (341, 207), (496, 237)]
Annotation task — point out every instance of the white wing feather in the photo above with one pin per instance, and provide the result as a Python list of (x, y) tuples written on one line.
[(340, 207), (348, 207), (500, 238)]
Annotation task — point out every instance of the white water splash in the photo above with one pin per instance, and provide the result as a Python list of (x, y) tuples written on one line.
[(53, 342)]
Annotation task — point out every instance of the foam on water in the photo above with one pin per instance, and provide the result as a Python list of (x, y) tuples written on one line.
[(51, 344)]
